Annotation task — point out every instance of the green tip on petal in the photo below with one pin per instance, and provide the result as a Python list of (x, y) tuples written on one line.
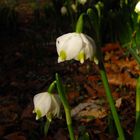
[(33, 111), (81, 57), (49, 117), (38, 114), (63, 55), (94, 58), (96, 61)]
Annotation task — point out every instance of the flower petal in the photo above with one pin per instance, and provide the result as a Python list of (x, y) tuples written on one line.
[(61, 40), (56, 103), (42, 103), (62, 57), (76, 46), (73, 46), (90, 47), (81, 57), (137, 7)]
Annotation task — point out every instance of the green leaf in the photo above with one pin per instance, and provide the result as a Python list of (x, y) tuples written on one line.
[(80, 23), (136, 135)]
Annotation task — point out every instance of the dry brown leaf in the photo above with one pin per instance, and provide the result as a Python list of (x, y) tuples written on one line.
[(130, 64), (97, 112), (121, 79), (118, 102), (108, 55), (90, 108), (110, 47)]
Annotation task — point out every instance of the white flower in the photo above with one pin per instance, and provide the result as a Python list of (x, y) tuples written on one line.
[(46, 104), (63, 10), (82, 1), (137, 8), (76, 46), (74, 8)]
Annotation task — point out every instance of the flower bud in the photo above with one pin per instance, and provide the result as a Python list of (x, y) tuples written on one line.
[(63, 10), (74, 8), (82, 2)]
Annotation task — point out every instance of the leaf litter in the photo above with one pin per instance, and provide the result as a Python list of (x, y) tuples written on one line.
[(85, 91)]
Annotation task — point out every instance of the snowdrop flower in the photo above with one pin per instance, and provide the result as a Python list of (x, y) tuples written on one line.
[(137, 8), (63, 10), (74, 8), (76, 46), (46, 104), (82, 1)]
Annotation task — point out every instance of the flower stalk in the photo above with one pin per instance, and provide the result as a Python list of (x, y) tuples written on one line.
[(108, 93), (138, 99), (51, 87), (47, 125), (65, 103), (136, 133), (105, 82), (110, 100)]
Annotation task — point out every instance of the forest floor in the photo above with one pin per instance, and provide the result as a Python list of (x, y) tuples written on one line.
[(27, 68)]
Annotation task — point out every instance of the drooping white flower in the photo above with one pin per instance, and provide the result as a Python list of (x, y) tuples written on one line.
[(137, 8), (76, 46), (82, 1), (74, 8), (63, 10), (46, 104)]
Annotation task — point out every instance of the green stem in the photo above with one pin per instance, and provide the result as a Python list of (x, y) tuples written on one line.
[(69, 123), (46, 127), (65, 103), (110, 100), (52, 86), (133, 53), (131, 50), (136, 135), (138, 99)]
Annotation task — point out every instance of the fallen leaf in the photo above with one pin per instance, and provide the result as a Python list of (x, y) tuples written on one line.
[(90, 109), (118, 102), (121, 79)]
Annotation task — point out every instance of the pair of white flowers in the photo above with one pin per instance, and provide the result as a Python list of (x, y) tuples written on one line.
[(76, 46)]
